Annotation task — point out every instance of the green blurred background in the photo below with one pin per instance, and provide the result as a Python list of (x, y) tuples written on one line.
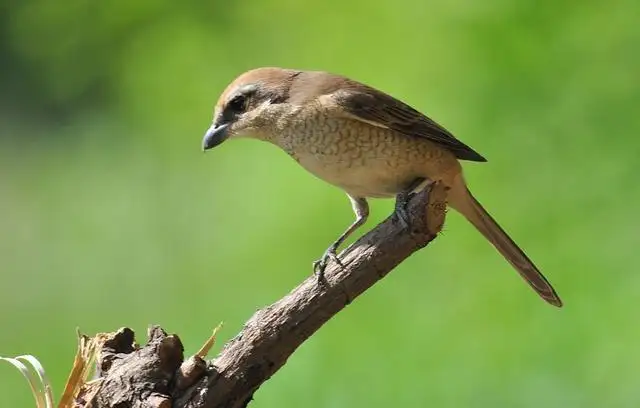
[(110, 214)]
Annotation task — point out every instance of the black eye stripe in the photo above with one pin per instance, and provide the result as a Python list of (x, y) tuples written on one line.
[(237, 103)]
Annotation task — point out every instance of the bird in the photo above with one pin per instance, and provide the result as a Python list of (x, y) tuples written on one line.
[(365, 142)]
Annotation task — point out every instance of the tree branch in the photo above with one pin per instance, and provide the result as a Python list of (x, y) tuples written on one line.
[(272, 334)]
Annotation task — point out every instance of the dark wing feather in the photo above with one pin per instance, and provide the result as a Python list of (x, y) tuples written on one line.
[(374, 106)]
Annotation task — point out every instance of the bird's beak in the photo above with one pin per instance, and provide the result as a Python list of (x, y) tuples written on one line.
[(215, 135)]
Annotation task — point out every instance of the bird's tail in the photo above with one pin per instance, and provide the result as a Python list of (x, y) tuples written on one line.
[(461, 199)]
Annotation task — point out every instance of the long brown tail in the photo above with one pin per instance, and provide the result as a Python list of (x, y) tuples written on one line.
[(461, 199)]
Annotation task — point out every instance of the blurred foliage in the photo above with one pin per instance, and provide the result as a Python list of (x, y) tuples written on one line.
[(111, 215)]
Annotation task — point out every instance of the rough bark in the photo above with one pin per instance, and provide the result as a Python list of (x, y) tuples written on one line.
[(156, 375)]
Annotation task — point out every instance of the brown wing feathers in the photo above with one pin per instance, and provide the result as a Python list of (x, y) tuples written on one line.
[(376, 106), (372, 105)]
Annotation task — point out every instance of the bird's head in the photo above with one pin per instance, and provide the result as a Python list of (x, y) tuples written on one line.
[(247, 104)]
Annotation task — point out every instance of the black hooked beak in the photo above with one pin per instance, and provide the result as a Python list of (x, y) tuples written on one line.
[(214, 136)]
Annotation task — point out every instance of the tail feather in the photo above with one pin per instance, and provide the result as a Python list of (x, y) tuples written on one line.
[(461, 199)]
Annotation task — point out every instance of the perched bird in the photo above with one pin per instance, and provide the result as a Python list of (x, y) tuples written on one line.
[(363, 141)]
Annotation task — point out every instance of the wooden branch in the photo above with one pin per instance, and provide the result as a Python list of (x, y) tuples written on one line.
[(155, 376)]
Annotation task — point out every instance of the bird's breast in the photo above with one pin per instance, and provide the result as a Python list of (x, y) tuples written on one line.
[(363, 159)]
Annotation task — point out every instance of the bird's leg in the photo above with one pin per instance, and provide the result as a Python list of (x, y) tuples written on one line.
[(402, 199), (361, 209)]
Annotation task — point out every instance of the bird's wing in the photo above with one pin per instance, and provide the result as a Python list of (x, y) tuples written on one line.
[(379, 109)]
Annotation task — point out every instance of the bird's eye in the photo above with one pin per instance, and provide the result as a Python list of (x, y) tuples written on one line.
[(237, 103)]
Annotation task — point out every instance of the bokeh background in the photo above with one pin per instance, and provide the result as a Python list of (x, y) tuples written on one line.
[(110, 214)]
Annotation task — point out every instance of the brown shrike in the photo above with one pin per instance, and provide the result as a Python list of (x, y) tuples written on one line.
[(363, 141)]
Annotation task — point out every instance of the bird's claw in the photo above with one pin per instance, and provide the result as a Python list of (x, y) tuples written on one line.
[(401, 209), (403, 217), (402, 200), (320, 265)]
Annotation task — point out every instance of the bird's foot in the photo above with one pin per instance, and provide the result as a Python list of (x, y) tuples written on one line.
[(402, 199), (401, 209), (320, 265), (403, 217)]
